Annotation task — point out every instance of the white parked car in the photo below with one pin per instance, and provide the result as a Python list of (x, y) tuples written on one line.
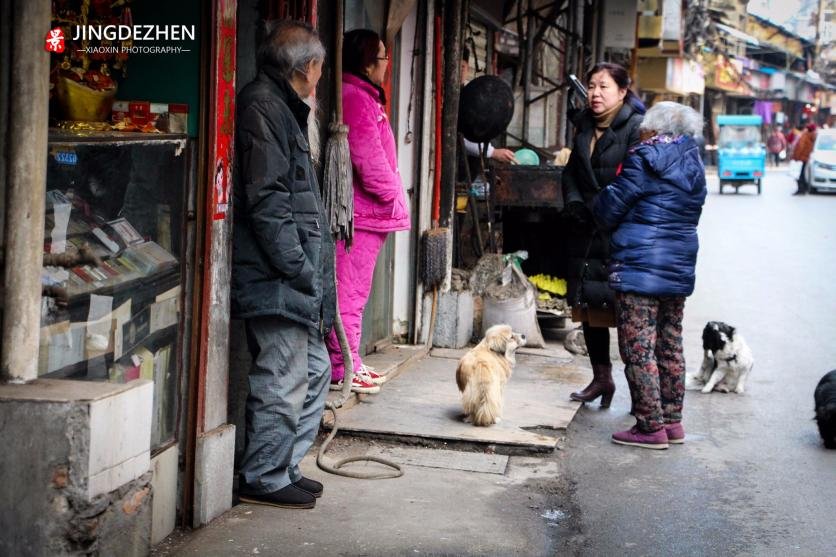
[(821, 168)]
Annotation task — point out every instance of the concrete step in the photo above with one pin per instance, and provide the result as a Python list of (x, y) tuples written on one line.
[(423, 403)]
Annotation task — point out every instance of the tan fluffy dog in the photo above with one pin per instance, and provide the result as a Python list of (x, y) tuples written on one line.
[(483, 372)]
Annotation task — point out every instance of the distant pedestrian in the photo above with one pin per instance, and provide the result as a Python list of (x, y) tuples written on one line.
[(776, 144), (792, 137), (652, 209), (801, 153), (282, 269)]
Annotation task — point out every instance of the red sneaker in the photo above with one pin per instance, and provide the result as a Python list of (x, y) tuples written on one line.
[(359, 384), (634, 437), (372, 375)]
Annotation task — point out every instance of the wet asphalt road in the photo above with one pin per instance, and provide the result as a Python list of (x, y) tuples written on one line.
[(753, 477)]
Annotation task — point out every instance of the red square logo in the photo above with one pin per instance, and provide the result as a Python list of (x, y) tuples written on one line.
[(54, 40)]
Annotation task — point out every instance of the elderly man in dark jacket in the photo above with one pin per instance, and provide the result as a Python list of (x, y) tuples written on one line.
[(283, 270), (652, 209)]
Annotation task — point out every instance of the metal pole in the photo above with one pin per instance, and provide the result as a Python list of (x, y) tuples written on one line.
[(598, 33), (818, 61), (579, 32), (529, 55), (25, 186), (338, 61), (453, 12), (423, 178), (574, 60)]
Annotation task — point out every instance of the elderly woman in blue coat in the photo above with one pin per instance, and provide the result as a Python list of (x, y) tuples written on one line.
[(652, 209)]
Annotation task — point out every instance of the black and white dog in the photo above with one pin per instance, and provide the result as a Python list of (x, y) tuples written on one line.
[(825, 396), (727, 359)]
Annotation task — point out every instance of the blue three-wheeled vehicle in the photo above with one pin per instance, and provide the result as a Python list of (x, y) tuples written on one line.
[(742, 154)]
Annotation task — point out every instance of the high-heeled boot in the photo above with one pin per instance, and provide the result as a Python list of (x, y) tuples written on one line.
[(602, 385)]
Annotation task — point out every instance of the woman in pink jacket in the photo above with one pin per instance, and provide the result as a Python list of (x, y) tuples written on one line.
[(379, 201)]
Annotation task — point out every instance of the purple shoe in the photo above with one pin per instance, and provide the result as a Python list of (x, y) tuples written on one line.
[(676, 433), (634, 437)]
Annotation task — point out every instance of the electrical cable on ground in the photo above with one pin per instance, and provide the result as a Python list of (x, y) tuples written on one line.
[(335, 468)]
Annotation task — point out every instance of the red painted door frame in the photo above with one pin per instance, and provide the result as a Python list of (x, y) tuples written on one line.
[(215, 144), (218, 174)]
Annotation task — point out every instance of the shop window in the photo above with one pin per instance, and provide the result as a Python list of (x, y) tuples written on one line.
[(118, 176), (112, 276)]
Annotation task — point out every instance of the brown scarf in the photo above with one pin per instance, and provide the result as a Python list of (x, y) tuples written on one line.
[(602, 122)]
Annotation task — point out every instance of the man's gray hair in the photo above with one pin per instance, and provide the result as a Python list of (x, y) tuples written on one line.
[(672, 118), (289, 47)]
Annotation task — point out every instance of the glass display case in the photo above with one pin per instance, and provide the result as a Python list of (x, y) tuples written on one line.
[(113, 263)]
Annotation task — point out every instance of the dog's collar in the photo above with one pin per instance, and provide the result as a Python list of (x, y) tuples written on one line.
[(732, 359)]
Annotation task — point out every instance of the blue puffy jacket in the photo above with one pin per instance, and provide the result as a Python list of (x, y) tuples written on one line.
[(653, 208)]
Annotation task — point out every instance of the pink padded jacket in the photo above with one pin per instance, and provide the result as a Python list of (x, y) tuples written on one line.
[(379, 199)]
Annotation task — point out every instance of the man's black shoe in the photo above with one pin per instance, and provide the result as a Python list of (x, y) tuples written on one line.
[(311, 486), (288, 497)]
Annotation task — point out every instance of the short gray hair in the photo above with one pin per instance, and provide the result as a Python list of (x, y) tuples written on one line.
[(290, 46), (672, 118)]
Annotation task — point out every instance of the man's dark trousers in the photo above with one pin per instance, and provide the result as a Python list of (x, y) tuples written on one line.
[(288, 385)]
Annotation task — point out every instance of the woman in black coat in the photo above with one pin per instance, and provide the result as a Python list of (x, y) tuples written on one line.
[(605, 130)]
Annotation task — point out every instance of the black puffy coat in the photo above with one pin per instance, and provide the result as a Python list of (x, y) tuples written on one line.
[(584, 176), (282, 251)]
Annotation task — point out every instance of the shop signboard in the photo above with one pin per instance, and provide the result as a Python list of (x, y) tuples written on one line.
[(620, 23), (778, 81), (728, 76), (758, 81), (685, 77), (671, 27), (671, 75)]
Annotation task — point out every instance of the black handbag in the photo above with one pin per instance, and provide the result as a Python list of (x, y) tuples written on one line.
[(594, 303)]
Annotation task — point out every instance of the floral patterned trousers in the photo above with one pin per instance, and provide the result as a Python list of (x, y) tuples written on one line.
[(650, 343)]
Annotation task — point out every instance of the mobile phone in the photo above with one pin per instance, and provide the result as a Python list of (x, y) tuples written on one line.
[(577, 86)]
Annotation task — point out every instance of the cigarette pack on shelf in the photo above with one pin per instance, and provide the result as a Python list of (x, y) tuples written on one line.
[(139, 112), (150, 116), (148, 258), (119, 112), (116, 235)]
